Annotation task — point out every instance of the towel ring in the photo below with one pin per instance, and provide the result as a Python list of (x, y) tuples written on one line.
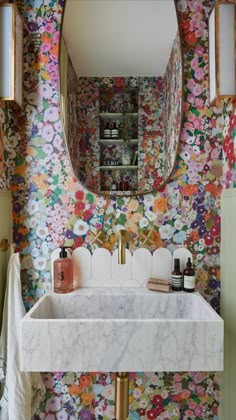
[(4, 244)]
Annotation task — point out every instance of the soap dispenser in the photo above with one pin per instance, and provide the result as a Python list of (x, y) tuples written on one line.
[(63, 273)]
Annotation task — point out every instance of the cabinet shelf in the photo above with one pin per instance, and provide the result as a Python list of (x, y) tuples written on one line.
[(117, 141), (120, 167), (113, 115)]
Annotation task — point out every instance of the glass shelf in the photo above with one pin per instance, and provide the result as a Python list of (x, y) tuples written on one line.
[(113, 115), (120, 167), (117, 141)]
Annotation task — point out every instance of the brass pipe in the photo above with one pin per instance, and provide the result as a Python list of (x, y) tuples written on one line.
[(123, 237), (122, 396)]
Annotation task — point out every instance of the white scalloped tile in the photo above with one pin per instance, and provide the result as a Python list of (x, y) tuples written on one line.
[(121, 273), (141, 266), (54, 256), (83, 266), (101, 266), (162, 264), (183, 254)]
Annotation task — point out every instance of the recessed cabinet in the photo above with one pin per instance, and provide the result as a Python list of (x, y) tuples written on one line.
[(118, 139)]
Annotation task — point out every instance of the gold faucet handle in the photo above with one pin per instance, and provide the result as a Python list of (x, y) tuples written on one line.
[(147, 238), (98, 237)]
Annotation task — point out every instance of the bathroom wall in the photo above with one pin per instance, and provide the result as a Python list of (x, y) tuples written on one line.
[(50, 205)]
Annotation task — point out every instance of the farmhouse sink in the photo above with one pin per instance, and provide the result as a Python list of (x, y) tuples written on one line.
[(121, 329)]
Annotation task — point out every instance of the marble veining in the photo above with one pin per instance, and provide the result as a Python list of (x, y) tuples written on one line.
[(117, 329)]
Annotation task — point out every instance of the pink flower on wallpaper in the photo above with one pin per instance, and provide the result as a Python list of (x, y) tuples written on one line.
[(197, 90), (191, 84), (45, 47), (49, 27), (53, 404), (199, 73), (199, 103), (191, 98)]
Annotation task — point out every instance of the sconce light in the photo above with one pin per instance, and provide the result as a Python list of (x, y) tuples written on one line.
[(222, 50), (11, 53)]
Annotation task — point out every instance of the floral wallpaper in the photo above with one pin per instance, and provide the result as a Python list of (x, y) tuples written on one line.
[(50, 206)]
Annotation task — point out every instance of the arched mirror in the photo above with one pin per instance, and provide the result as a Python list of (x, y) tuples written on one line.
[(121, 93)]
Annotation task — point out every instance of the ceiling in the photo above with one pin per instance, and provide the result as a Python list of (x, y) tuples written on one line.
[(119, 37)]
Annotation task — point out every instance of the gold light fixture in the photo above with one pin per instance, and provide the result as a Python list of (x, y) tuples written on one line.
[(11, 53), (222, 50)]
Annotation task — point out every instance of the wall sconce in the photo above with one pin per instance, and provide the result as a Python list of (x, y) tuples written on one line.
[(11, 53), (222, 50)]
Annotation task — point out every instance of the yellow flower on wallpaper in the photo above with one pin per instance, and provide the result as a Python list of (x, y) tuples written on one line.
[(41, 182), (87, 398), (45, 75)]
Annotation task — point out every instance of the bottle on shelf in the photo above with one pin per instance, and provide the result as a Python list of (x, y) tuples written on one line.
[(114, 131), (124, 184), (126, 155), (189, 277), (107, 131), (176, 276)]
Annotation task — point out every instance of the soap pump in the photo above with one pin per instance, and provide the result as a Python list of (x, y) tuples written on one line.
[(63, 273)]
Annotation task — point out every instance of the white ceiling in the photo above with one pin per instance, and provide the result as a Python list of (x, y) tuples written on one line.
[(119, 37)]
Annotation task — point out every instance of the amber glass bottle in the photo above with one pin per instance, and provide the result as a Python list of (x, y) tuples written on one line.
[(189, 277), (176, 277)]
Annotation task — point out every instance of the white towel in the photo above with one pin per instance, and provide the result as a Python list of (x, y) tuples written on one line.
[(20, 390)]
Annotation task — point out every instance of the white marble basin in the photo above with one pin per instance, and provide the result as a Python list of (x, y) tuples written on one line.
[(121, 329)]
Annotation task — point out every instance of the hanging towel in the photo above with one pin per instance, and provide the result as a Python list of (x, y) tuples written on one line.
[(20, 388)]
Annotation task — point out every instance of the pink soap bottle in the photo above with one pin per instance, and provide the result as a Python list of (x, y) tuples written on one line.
[(63, 273)]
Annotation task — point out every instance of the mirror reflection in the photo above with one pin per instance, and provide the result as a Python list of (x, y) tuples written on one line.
[(121, 93)]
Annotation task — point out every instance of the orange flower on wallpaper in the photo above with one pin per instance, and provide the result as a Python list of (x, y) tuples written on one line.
[(189, 190), (43, 58), (85, 381), (87, 398), (194, 236), (213, 189), (75, 390), (54, 49), (157, 239), (160, 205)]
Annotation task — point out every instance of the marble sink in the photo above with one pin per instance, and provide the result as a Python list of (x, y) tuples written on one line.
[(121, 329)]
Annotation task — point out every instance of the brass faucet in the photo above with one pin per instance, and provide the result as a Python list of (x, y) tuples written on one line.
[(123, 237)]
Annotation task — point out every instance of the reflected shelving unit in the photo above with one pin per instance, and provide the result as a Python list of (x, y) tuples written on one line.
[(118, 139)]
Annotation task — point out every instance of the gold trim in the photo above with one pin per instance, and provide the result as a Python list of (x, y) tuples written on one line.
[(122, 396), (219, 96)]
